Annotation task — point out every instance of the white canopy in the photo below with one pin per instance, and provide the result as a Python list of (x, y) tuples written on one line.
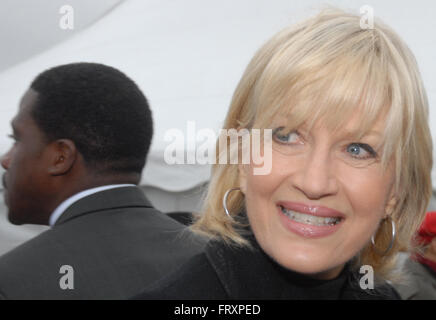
[(187, 56)]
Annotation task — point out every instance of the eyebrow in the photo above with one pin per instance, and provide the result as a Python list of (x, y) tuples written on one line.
[(341, 131), (365, 134), (354, 134)]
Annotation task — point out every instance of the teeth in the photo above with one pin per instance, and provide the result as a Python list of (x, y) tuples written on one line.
[(309, 219)]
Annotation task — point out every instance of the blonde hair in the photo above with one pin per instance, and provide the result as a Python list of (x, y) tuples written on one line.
[(326, 67)]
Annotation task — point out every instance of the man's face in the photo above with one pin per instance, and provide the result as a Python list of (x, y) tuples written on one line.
[(26, 184)]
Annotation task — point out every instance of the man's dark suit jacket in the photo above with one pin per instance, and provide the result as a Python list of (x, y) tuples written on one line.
[(115, 242)]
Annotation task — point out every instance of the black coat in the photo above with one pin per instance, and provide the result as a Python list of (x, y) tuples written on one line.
[(224, 272), (114, 240)]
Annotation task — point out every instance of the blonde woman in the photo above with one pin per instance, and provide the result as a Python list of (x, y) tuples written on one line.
[(350, 170)]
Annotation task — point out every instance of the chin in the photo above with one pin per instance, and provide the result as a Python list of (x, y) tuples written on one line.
[(17, 219), (314, 270), (12, 219), (308, 262)]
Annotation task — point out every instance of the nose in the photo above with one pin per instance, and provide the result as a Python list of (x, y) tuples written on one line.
[(315, 177), (6, 160)]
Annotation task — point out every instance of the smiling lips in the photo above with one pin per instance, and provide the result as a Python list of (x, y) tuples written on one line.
[(309, 221)]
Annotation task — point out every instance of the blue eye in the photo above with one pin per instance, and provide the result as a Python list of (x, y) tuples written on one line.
[(285, 138), (361, 151)]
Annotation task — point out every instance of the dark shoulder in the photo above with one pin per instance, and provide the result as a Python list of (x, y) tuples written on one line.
[(31, 261), (386, 291), (29, 250), (194, 280), (382, 290)]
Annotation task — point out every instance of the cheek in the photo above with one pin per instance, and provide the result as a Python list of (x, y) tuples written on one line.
[(261, 193), (18, 166), (25, 172), (367, 193), (260, 188), (258, 193), (367, 190)]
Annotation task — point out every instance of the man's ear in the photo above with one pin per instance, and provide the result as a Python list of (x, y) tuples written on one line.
[(63, 157)]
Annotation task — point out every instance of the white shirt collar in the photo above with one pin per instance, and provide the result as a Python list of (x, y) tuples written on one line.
[(68, 202)]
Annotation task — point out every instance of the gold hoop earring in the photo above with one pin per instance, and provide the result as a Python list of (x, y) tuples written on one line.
[(225, 201), (391, 244)]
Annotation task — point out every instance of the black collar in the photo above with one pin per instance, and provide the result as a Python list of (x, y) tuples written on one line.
[(109, 199), (248, 273)]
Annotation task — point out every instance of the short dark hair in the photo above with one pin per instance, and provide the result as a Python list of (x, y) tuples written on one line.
[(100, 109)]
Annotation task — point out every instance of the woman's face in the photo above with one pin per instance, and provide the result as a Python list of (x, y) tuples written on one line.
[(323, 199)]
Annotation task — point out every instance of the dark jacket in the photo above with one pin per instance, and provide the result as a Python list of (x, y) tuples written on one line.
[(115, 242), (224, 272)]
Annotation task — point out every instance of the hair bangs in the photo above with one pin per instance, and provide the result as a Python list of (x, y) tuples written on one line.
[(329, 91)]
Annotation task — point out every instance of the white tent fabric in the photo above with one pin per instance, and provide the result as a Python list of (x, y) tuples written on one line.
[(187, 56)]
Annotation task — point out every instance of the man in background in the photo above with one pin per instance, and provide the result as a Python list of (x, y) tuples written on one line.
[(81, 137)]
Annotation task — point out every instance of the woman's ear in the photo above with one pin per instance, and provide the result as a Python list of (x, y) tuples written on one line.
[(62, 158), (390, 206)]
